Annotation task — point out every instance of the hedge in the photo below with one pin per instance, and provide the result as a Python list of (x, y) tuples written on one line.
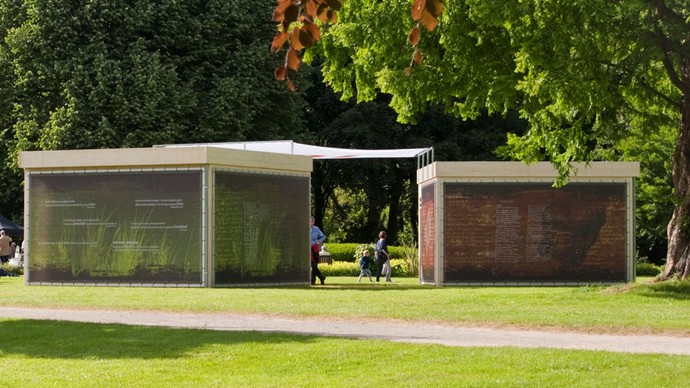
[(401, 268), (346, 268), (342, 251), (346, 264), (647, 269), (13, 271), (346, 252)]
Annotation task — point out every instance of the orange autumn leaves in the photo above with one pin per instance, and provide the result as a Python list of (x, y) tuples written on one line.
[(426, 13), (297, 27)]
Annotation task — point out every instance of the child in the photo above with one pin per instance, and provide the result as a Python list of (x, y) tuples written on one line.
[(364, 264)]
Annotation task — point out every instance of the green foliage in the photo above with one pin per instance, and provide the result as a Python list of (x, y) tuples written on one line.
[(354, 199), (342, 251), (647, 269), (340, 268), (359, 251), (411, 257), (348, 214), (351, 252), (397, 252), (583, 74), (115, 74), (13, 271), (579, 80), (350, 266), (654, 197), (371, 194), (401, 268)]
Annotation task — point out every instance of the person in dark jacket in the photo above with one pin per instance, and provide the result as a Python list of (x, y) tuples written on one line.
[(382, 258), (364, 265)]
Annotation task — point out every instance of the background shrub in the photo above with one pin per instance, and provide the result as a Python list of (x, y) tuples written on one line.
[(342, 252), (346, 268), (647, 269), (346, 251), (340, 268), (14, 271), (404, 259), (405, 262), (396, 252)]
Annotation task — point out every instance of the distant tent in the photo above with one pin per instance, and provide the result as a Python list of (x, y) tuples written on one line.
[(10, 227)]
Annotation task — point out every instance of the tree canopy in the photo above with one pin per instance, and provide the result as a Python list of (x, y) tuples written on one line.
[(126, 73), (583, 73), (354, 199)]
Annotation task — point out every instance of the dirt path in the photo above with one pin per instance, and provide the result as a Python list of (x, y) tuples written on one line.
[(400, 332)]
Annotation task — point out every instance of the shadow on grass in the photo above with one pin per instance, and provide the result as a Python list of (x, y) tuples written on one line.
[(337, 284), (679, 290), (73, 340), (373, 287), (350, 283), (353, 287)]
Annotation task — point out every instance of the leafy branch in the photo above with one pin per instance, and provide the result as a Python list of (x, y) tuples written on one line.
[(425, 13), (297, 27)]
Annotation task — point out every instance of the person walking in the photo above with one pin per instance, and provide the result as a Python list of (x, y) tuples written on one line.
[(382, 258), (364, 264), (317, 239)]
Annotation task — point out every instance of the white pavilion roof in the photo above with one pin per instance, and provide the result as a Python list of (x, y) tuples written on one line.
[(316, 152)]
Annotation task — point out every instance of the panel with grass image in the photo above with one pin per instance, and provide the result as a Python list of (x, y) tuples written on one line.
[(261, 234), (130, 226)]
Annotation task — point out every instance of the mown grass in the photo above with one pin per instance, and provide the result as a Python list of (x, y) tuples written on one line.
[(60, 354), (660, 308), (46, 353)]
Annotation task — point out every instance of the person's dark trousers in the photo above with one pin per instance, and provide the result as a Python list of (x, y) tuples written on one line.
[(315, 273), (379, 268)]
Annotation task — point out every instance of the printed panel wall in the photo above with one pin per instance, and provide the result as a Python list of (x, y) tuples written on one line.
[(116, 227), (261, 230), (427, 251), (532, 232)]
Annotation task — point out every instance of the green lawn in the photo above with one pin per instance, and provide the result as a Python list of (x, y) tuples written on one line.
[(639, 308), (45, 353)]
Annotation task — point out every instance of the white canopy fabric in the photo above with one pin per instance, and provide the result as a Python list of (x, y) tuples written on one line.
[(316, 152)]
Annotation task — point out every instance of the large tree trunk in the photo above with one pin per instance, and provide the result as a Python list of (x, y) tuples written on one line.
[(678, 231), (322, 188), (373, 212), (396, 194)]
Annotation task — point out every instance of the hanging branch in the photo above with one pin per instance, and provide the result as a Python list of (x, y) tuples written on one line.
[(426, 13), (298, 29)]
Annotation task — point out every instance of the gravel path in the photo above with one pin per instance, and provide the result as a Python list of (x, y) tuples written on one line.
[(391, 331)]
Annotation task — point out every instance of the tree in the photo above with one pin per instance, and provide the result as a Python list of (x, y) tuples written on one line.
[(336, 183), (653, 188), (126, 73), (359, 197), (371, 126), (583, 73), (353, 199), (322, 107)]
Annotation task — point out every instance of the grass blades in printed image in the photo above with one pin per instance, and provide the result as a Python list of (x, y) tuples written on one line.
[(67, 354)]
